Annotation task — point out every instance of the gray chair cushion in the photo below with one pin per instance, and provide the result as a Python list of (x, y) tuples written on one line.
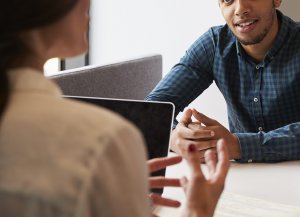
[(132, 79)]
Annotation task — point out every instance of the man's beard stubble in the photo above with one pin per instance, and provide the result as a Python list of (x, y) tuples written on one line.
[(263, 34)]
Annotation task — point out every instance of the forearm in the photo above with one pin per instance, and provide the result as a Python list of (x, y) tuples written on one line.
[(187, 79), (281, 144), (180, 86)]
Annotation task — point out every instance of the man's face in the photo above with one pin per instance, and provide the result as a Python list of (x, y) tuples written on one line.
[(250, 20)]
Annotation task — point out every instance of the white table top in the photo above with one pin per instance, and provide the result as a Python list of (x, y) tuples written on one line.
[(275, 183)]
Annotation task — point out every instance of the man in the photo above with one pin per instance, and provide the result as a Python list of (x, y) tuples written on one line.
[(255, 61)]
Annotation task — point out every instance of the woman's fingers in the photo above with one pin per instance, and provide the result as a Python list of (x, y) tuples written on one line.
[(161, 163), (223, 164), (160, 182), (184, 183), (159, 200), (193, 158), (211, 161)]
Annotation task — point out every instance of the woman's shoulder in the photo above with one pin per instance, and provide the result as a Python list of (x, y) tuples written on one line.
[(64, 119), (65, 143)]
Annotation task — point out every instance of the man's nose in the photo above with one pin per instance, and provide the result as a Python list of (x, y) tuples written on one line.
[(242, 7)]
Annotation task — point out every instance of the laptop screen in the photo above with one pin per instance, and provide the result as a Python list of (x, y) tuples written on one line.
[(154, 119)]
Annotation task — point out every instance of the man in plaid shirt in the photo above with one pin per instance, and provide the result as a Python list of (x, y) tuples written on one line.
[(255, 61)]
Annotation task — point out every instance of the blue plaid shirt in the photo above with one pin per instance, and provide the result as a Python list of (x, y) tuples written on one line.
[(263, 99)]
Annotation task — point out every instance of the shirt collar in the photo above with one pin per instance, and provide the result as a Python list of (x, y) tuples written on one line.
[(28, 79), (279, 41), (280, 38)]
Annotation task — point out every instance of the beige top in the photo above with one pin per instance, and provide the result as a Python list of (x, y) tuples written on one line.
[(63, 158)]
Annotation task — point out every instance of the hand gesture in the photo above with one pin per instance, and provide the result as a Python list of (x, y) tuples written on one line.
[(160, 182), (203, 193)]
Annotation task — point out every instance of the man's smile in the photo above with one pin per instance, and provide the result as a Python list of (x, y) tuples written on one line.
[(245, 26)]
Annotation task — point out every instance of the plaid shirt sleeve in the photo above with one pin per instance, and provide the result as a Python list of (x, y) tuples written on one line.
[(190, 77), (277, 145)]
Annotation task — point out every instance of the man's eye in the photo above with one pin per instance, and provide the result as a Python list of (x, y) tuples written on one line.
[(227, 1)]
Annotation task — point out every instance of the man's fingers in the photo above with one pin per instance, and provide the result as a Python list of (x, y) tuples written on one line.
[(160, 163), (159, 200), (205, 145), (186, 117), (160, 182), (204, 119), (200, 145), (191, 131)]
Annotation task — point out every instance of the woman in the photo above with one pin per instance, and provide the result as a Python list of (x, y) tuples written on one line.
[(64, 158)]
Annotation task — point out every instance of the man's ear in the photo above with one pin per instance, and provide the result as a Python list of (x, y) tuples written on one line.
[(277, 3)]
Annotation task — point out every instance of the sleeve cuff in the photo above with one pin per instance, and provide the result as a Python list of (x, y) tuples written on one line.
[(251, 148)]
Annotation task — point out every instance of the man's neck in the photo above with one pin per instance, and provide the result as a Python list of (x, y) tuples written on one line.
[(259, 51)]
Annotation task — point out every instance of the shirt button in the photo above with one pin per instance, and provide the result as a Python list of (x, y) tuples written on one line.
[(250, 161), (257, 67), (260, 129), (255, 99)]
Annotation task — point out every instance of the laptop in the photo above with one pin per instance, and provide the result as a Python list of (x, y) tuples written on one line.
[(154, 119)]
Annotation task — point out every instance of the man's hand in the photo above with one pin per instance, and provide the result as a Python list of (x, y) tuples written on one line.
[(204, 134), (202, 194), (160, 182), (220, 132), (182, 136)]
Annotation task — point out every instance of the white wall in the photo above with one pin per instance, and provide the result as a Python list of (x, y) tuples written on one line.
[(123, 29), (291, 8)]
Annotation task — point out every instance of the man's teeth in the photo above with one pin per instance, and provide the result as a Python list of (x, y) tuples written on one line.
[(246, 24)]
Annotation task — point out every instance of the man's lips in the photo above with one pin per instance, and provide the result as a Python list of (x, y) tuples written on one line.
[(245, 26)]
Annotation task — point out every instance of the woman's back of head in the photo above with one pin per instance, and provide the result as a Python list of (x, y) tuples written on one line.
[(17, 16)]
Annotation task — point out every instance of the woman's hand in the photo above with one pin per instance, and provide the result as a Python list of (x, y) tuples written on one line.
[(160, 181), (202, 194)]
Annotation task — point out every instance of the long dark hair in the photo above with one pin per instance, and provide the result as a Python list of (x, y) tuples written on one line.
[(17, 16)]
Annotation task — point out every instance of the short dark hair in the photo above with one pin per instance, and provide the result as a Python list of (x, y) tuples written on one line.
[(17, 16)]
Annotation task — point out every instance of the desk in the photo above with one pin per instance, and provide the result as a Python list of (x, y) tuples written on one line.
[(277, 183)]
